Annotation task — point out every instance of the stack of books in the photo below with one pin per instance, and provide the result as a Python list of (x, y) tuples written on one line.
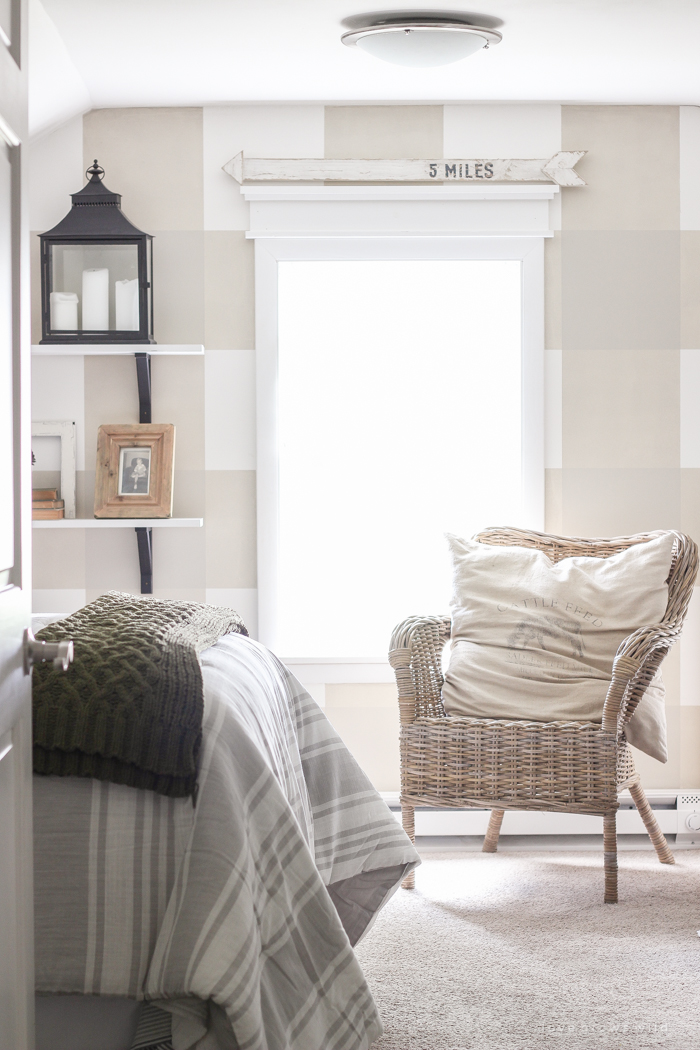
[(45, 505)]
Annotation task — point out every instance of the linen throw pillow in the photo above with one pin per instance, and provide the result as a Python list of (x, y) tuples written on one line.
[(536, 640)]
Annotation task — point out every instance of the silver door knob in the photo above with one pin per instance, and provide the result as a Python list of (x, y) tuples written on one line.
[(59, 653)]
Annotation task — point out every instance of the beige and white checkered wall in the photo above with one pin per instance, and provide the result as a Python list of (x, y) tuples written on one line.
[(623, 345)]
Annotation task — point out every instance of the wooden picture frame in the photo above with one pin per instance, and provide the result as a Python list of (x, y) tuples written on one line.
[(135, 470)]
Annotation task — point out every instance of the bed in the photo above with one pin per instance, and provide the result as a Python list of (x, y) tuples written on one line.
[(233, 918)]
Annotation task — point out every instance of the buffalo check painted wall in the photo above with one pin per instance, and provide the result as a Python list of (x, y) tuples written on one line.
[(622, 338)]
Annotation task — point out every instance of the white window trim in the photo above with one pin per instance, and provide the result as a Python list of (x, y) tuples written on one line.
[(268, 253), (507, 210), (280, 236)]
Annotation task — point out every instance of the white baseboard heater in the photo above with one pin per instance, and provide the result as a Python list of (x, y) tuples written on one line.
[(677, 812)]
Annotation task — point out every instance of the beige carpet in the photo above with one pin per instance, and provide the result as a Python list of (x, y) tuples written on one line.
[(518, 952)]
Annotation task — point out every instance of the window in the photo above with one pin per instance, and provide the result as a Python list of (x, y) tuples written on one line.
[(400, 394), (399, 417)]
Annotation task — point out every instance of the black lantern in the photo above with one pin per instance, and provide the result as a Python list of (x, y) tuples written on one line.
[(96, 272)]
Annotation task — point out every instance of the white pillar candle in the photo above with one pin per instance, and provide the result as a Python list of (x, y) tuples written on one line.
[(95, 300), (64, 311), (126, 302)]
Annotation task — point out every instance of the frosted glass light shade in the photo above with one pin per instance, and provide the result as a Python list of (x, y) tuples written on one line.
[(421, 44), (421, 47)]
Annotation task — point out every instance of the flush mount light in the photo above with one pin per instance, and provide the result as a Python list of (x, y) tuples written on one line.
[(421, 41)]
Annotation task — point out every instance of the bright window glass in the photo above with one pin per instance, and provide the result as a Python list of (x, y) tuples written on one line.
[(399, 420)]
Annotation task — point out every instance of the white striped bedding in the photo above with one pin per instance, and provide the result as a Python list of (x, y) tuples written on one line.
[(223, 914)]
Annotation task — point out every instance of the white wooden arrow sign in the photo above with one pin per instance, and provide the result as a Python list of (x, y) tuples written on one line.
[(559, 169)]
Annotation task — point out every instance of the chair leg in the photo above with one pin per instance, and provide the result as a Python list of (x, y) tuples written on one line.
[(493, 831), (656, 835), (610, 857), (407, 819)]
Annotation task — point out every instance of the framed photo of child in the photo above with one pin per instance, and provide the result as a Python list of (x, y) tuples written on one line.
[(135, 470)]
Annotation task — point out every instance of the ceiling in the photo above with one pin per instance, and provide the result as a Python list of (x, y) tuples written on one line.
[(104, 53)]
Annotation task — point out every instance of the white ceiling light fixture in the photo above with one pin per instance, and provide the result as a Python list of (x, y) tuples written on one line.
[(421, 40)]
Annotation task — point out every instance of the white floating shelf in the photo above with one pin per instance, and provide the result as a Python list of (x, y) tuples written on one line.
[(109, 349), (120, 523)]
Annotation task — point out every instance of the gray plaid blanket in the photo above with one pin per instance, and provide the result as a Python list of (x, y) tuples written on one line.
[(236, 916)]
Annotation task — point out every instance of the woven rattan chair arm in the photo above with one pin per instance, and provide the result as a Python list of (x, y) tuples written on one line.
[(639, 656), (636, 662), (406, 634), (416, 656)]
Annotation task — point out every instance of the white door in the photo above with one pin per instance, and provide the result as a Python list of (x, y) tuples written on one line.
[(16, 962)]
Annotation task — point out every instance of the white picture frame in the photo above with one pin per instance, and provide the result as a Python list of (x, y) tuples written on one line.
[(65, 430)]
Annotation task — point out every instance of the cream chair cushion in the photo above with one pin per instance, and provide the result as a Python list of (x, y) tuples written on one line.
[(536, 640)]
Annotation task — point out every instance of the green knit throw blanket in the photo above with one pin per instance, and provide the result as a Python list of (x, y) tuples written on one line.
[(130, 707)]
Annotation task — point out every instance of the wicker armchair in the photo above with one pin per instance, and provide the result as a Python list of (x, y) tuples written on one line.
[(566, 767)]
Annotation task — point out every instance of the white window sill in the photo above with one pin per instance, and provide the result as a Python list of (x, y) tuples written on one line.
[(330, 670)]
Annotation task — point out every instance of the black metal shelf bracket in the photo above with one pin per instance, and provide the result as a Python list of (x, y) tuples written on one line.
[(144, 539), (144, 536), (143, 378)]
